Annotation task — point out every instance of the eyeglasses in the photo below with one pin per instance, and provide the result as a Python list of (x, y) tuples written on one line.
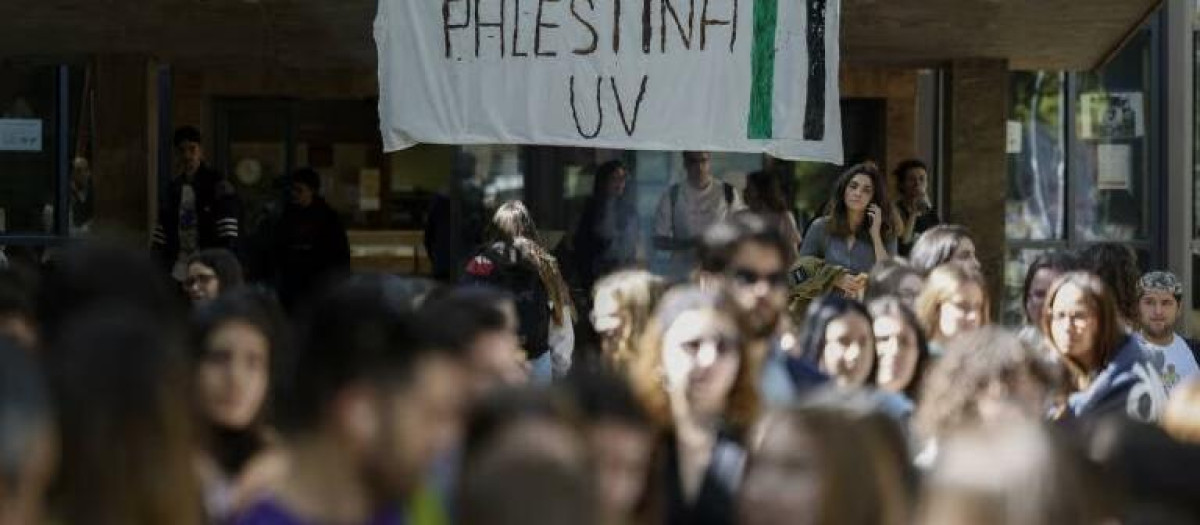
[(697, 160), (747, 277)]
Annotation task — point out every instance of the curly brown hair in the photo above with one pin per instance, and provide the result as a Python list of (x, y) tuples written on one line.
[(972, 363), (646, 375)]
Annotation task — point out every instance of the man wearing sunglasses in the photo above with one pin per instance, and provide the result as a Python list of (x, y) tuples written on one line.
[(748, 255)]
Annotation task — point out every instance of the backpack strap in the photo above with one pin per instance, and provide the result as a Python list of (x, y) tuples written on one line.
[(1194, 346), (674, 194)]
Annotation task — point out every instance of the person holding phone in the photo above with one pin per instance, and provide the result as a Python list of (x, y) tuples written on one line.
[(857, 230)]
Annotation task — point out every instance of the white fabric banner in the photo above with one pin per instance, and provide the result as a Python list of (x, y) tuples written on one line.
[(714, 75)]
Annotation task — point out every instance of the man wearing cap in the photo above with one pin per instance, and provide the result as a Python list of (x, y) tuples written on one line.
[(1159, 296)]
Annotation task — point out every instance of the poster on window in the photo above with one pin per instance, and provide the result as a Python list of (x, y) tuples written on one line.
[(18, 134), (1111, 116), (715, 75), (1114, 167)]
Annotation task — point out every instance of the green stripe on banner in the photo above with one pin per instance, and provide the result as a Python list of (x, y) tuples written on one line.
[(762, 83)]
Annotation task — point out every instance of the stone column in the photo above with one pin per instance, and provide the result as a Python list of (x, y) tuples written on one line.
[(976, 180)]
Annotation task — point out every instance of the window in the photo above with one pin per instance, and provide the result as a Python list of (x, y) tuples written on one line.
[(39, 118), (1083, 157), (1036, 161)]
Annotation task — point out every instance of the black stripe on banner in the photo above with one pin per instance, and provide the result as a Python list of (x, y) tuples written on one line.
[(814, 107)]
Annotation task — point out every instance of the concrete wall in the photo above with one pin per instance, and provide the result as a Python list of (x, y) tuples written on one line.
[(196, 86), (899, 88)]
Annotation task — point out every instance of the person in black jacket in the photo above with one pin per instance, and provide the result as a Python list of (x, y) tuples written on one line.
[(310, 243), (201, 208), (607, 237)]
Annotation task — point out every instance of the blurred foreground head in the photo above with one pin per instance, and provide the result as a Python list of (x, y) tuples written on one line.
[(695, 366), (1013, 474), (127, 440), (748, 255), (362, 385), (621, 440), (479, 326), (28, 437), (87, 276), (824, 464), (623, 304), (523, 442), (987, 376)]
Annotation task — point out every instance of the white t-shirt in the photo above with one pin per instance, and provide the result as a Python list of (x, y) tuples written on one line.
[(1175, 362), (189, 232), (692, 214)]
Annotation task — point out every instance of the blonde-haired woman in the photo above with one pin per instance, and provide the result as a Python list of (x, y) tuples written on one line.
[(955, 301), (622, 305), (699, 382)]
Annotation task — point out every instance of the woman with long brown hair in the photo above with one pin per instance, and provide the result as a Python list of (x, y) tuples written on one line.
[(858, 229), (607, 238), (700, 384), (1106, 369), (237, 349), (513, 259)]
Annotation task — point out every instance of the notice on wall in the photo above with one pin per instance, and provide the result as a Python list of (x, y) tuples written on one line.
[(716, 75), (369, 190), (1114, 166), (1013, 145), (19, 134), (1111, 116)]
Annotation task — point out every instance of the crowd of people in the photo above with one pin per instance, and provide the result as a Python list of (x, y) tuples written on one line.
[(788, 379)]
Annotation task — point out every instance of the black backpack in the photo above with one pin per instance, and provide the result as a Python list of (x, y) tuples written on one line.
[(502, 267)]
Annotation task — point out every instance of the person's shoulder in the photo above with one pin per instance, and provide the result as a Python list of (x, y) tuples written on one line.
[(1131, 351), (819, 225)]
